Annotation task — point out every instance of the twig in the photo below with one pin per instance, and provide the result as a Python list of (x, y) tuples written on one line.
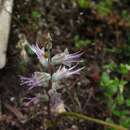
[(87, 118)]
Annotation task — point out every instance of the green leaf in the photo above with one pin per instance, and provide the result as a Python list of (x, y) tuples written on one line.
[(124, 68), (119, 113), (121, 85), (112, 87), (84, 3), (111, 66), (120, 99), (125, 121), (105, 79), (104, 7), (128, 102), (36, 14)]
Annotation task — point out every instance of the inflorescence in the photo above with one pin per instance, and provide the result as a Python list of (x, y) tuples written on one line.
[(42, 79)]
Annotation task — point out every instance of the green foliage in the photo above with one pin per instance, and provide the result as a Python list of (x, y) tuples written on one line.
[(108, 84), (124, 68), (104, 7), (117, 101), (79, 43), (36, 14), (110, 66), (125, 121), (125, 15), (84, 3), (120, 113), (112, 86), (128, 102), (123, 117)]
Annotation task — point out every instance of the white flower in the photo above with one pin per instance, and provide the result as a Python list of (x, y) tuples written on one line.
[(63, 58), (37, 79), (66, 59), (64, 72), (41, 54)]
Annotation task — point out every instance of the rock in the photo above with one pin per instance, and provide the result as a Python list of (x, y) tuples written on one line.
[(5, 20)]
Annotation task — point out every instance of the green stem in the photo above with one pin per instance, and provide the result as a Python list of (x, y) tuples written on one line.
[(87, 118)]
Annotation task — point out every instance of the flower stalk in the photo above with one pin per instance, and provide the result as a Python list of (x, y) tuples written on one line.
[(87, 118), (50, 71)]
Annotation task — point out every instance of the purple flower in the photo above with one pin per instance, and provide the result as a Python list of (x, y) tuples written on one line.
[(64, 72), (66, 58), (41, 54), (37, 79)]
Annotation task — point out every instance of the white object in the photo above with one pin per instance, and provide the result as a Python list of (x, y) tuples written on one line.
[(5, 20)]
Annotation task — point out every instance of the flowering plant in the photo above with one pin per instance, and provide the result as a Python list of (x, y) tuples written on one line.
[(50, 81)]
